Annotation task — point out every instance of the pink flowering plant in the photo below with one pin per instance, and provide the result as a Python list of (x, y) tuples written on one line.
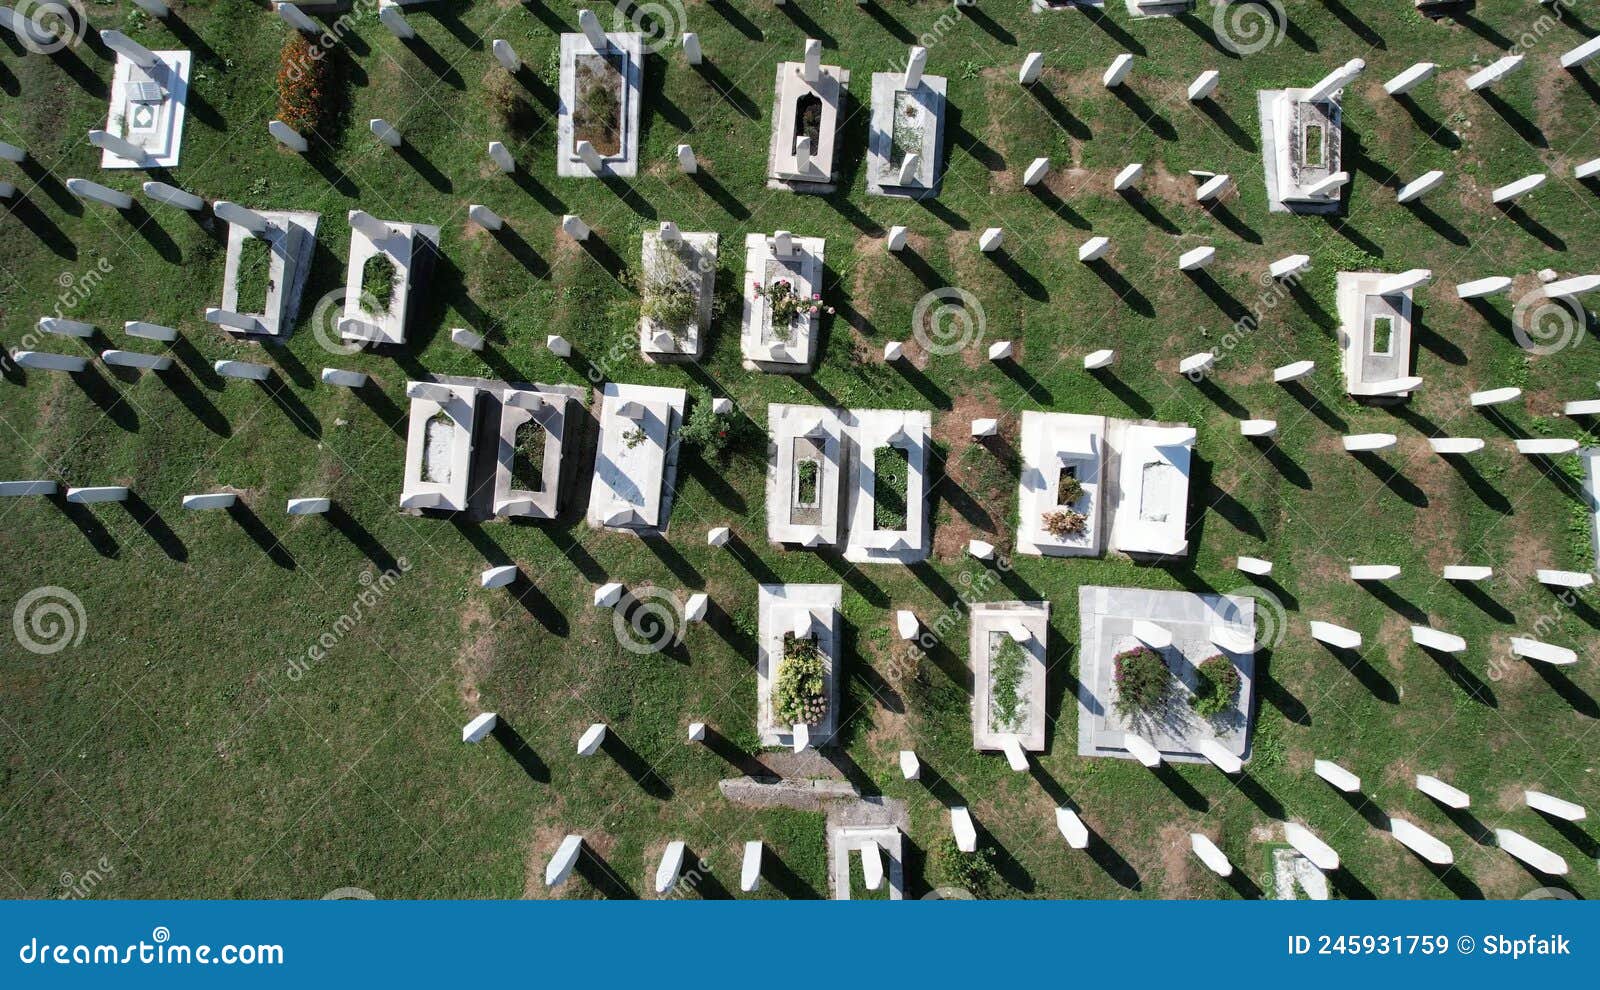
[(788, 305)]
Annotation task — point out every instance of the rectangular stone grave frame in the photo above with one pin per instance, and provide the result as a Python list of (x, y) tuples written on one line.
[(1140, 492), (777, 605), (625, 163), (805, 271), (1106, 617), (1284, 115), (564, 404), (462, 410), (1359, 305), (163, 140), (883, 176), (783, 170), (1052, 442), (702, 261), (789, 426), (641, 478), (994, 619), (411, 247), (870, 429), (843, 843), (291, 238)]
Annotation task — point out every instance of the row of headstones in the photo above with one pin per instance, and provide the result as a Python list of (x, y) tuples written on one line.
[(89, 495), (670, 867)]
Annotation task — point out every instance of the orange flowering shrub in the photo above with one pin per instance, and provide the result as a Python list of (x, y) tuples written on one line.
[(305, 84)]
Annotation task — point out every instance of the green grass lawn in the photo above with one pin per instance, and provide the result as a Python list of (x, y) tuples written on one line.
[(254, 710)]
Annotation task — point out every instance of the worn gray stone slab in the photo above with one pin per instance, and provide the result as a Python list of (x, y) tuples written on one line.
[(988, 623), (291, 237), (1265, 102), (629, 47)]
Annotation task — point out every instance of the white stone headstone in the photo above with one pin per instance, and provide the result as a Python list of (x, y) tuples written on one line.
[(1204, 85), (1197, 364), (1479, 288), (1416, 187), (696, 606), (811, 68), (344, 379), (119, 146), (65, 328), (135, 359), (1001, 350), (750, 868), (1404, 282), (1516, 190), (1258, 427), (1254, 565), (1335, 81), (590, 25), (1117, 74), (1450, 797), (308, 506), (1312, 848), (1293, 372), (1554, 806), (94, 495), (557, 345), (1212, 188), (872, 864), (297, 19), (910, 766), (1338, 776), (1098, 360), (1374, 572), (686, 160), (1420, 842), (479, 728), (247, 370), (128, 48), (502, 158), (965, 832), (574, 227), (1196, 259), (1533, 649), (691, 48), (385, 132), (1467, 572), (1582, 54), (1494, 72), (1437, 639), (985, 427), (980, 550), (1032, 65), (209, 501), (1410, 79), (1335, 635), (498, 577), (1141, 750), (1072, 828), (1015, 756), (1367, 442), (593, 736), (561, 864), (1037, 170), (1289, 265), (1128, 176), (94, 192), (1544, 860), (1208, 853), (1495, 396), (916, 62), (991, 239), (395, 20), (484, 217), (46, 361), (1094, 249), (608, 595), (1220, 757), (506, 55), (12, 153)]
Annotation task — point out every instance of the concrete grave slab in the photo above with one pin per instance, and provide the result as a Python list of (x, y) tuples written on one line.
[(637, 458), (782, 610), (619, 65), (997, 628)]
